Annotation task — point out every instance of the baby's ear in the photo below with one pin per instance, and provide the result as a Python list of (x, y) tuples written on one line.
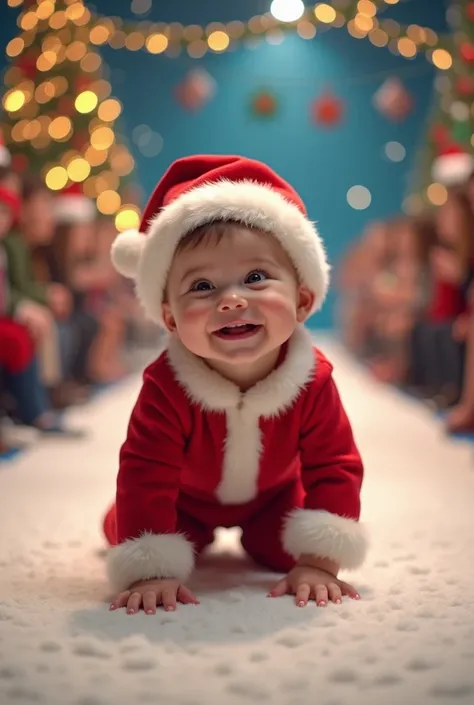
[(168, 318), (304, 304)]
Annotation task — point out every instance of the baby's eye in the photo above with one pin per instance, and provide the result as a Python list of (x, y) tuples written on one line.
[(202, 285), (257, 276)]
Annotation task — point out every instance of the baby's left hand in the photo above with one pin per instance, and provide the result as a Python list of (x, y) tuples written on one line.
[(308, 583)]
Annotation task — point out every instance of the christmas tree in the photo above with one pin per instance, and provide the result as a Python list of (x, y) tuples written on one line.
[(59, 117), (447, 156)]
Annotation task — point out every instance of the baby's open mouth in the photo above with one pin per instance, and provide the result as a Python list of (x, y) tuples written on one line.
[(237, 330)]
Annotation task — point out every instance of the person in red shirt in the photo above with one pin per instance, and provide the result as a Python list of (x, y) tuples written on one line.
[(239, 421)]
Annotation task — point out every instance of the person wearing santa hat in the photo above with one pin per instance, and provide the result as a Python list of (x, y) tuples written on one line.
[(239, 421)]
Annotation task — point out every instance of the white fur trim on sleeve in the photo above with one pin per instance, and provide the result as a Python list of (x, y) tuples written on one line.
[(326, 535), (150, 556), (126, 252)]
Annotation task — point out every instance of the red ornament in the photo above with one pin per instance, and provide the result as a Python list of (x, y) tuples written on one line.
[(465, 85), (467, 52), (393, 100), (66, 105), (264, 104), (19, 162), (327, 110), (470, 12), (195, 90), (439, 134), (27, 64)]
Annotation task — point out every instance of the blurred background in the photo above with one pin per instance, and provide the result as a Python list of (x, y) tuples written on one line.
[(365, 106)]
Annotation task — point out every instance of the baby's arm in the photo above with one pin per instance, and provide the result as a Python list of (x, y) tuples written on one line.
[(148, 545), (327, 531)]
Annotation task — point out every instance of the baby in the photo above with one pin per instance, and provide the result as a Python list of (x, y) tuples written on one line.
[(238, 423)]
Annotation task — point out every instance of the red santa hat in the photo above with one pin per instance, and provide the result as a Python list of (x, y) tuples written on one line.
[(5, 156), (452, 166), (204, 188), (72, 206)]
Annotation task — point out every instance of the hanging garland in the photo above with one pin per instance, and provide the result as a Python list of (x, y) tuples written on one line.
[(358, 16)]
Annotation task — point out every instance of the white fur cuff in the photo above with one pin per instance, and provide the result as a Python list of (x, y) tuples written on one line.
[(150, 556), (326, 535)]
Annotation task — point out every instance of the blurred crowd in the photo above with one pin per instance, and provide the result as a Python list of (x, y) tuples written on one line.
[(65, 314), (407, 304)]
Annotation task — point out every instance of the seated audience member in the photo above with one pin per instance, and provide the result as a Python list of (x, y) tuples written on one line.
[(94, 332), (18, 364), (38, 306), (437, 345), (358, 270), (400, 292)]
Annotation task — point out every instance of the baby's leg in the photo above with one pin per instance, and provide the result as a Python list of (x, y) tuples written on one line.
[(200, 535), (262, 534)]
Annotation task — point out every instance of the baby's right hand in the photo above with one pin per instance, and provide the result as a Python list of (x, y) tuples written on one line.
[(151, 593)]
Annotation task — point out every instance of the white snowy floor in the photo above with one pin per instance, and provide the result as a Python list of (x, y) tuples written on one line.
[(409, 640)]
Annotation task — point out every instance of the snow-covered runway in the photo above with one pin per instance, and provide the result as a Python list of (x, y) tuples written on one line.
[(409, 640)]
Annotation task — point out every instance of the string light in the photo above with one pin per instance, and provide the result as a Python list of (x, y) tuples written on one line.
[(218, 41), (78, 169), (56, 178), (442, 59), (437, 194), (325, 13), (108, 202), (60, 128), (157, 43), (287, 10), (109, 110), (127, 218), (14, 101), (86, 102)]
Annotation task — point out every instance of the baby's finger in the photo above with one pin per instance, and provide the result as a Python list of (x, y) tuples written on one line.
[(186, 596), (302, 594), (168, 598), (149, 602), (121, 600), (281, 588), (348, 590), (134, 602), (334, 592), (321, 595)]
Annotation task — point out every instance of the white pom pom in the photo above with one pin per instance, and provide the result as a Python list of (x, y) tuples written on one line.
[(126, 252)]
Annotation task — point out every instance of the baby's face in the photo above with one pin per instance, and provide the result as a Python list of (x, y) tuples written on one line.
[(235, 300)]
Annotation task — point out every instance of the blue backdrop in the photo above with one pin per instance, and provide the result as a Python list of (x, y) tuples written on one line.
[(322, 164)]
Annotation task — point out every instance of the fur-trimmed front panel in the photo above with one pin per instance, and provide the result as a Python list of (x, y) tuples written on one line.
[(326, 535), (249, 203), (270, 397), (150, 556)]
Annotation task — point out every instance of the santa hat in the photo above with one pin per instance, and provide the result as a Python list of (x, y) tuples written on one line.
[(452, 166), (5, 156), (205, 188), (73, 206)]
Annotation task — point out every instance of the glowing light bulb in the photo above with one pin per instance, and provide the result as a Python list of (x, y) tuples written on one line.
[(287, 10)]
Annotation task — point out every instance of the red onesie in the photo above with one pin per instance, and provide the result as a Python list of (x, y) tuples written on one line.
[(279, 461)]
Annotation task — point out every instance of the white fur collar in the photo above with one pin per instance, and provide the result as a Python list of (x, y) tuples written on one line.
[(269, 397)]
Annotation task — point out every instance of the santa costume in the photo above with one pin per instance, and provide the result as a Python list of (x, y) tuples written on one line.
[(278, 460)]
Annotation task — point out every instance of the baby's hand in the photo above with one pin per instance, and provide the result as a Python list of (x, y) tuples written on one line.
[(307, 582), (151, 593)]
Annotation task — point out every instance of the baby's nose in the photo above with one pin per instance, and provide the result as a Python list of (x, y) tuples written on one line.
[(232, 302)]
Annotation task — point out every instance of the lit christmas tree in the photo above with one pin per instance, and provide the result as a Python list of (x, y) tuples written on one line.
[(447, 158), (59, 117)]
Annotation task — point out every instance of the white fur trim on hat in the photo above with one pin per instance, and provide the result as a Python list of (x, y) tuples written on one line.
[(126, 252), (248, 202), (74, 209), (326, 535), (452, 169), (150, 556)]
